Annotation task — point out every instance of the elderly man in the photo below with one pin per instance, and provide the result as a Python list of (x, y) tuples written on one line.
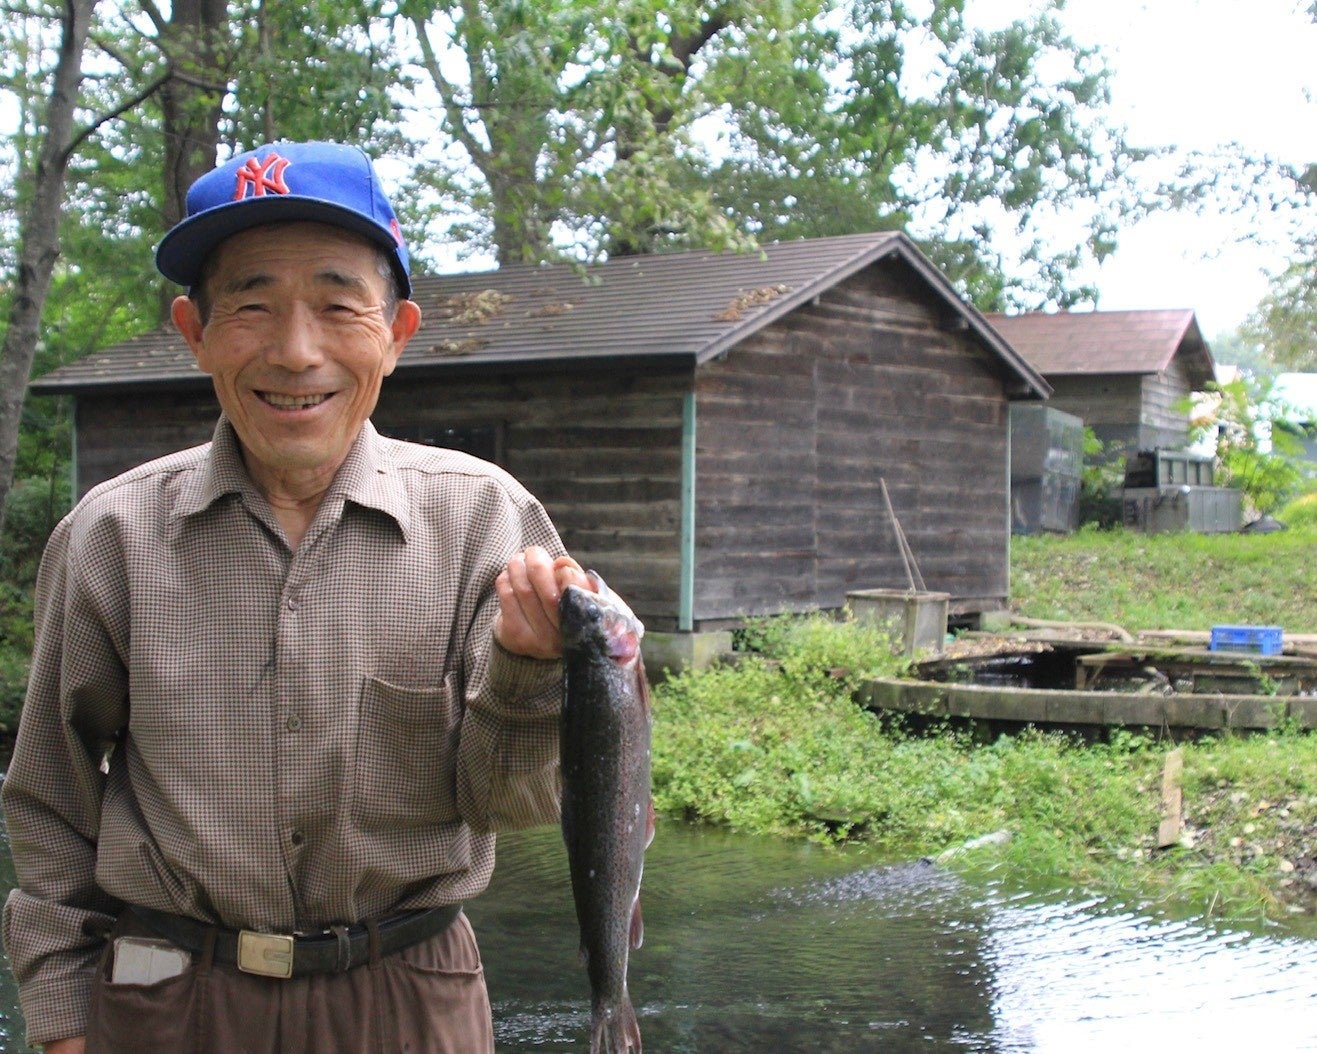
[(286, 685)]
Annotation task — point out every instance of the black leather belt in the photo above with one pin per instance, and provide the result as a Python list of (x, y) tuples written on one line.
[(334, 950)]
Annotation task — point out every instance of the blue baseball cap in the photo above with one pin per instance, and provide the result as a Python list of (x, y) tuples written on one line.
[(283, 182)]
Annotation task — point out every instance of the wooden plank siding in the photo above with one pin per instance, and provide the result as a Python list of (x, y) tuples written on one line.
[(119, 429), (1110, 405), (1164, 419), (756, 460), (905, 401), (798, 426), (601, 450), (1129, 412)]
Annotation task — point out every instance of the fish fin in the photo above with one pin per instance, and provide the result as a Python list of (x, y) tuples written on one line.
[(614, 1029), (650, 823), (642, 686), (637, 924)]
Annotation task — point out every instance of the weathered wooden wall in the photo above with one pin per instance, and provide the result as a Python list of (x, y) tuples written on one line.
[(799, 426), (602, 452), (1164, 423), (1129, 412), (121, 428)]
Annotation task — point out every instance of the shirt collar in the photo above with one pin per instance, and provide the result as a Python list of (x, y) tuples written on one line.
[(367, 477)]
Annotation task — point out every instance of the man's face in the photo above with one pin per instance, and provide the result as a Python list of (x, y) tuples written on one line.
[(297, 343)]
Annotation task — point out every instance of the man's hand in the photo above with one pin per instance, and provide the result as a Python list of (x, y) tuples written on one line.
[(74, 1045), (528, 590)]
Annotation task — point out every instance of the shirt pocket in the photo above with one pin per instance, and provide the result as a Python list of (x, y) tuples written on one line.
[(406, 755)]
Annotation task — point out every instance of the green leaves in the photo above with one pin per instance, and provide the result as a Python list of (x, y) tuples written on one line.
[(1285, 322), (1254, 452)]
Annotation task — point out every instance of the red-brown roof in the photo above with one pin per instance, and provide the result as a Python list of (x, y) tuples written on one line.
[(1107, 342), (689, 306)]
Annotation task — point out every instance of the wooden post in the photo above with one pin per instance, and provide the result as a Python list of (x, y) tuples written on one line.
[(1168, 833)]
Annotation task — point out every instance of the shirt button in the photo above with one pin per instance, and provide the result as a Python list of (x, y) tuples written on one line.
[(293, 603), (297, 838), (294, 723)]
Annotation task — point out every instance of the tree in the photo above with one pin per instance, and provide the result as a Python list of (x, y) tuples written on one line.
[(321, 69), (1235, 347), (38, 240), (642, 126), (989, 146), (572, 114), (1285, 322), (1255, 453)]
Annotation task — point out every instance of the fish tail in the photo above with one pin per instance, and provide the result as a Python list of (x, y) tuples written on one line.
[(615, 1029)]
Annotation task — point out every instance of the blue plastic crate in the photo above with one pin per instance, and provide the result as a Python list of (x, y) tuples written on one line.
[(1260, 640)]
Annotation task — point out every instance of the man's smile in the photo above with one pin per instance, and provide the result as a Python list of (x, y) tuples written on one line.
[(293, 402)]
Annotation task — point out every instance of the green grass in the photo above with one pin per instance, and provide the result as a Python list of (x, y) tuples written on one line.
[(776, 745), (1169, 581)]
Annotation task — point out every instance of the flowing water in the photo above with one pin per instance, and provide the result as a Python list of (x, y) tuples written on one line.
[(753, 945), (757, 945)]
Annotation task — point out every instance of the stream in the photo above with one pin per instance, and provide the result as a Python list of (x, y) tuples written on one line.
[(761, 945), (758, 945)]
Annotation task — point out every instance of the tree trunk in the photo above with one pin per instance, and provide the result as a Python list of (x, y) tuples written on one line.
[(191, 98), (190, 103), (39, 237)]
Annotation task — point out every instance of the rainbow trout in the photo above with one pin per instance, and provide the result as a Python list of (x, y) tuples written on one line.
[(607, 812)]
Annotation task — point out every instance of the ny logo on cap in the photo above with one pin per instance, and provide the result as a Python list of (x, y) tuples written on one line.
[(258, 178)]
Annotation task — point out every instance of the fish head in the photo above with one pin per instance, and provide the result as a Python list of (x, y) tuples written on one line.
[(599, 621)]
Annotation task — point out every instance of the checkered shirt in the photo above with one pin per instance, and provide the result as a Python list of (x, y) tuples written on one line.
[(219, 727)]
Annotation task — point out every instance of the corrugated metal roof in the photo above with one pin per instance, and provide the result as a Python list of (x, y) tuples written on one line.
[(1107, 342), (691, 306)]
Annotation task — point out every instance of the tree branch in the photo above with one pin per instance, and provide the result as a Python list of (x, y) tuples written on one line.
[(157, 18), (449, 92), (118, 111)]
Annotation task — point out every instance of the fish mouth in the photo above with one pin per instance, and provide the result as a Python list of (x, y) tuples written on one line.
[(282, 401)]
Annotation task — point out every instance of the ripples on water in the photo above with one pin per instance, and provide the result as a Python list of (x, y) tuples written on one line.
[(756, 945)]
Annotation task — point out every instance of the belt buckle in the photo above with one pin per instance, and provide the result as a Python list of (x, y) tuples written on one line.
[(266, 954)]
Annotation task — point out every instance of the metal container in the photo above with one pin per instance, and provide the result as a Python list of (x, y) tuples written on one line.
[(1169, 468), (1047, 460), (916, 622), (1162, 510)]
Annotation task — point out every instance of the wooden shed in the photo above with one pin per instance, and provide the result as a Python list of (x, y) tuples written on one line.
[(710, 431), (1127, 375)]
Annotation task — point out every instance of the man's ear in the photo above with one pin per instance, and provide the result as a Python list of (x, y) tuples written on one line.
[(406, 321), (187, 320)]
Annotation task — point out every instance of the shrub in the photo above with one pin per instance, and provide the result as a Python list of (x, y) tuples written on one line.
[(1301, 512)]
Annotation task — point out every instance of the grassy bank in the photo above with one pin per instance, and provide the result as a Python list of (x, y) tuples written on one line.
[(1182, 581), (775, 744)]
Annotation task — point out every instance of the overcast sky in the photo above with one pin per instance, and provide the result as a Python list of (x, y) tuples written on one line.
[(1197, 74)]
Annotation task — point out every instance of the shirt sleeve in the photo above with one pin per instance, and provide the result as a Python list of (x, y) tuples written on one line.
[(507, 775), (56, 919)]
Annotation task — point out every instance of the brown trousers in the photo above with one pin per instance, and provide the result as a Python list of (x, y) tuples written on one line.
[(427, 999)]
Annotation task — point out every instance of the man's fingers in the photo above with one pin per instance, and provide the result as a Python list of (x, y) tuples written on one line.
[(529, 579), (542, 582), (567, 572), (528, 589)]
